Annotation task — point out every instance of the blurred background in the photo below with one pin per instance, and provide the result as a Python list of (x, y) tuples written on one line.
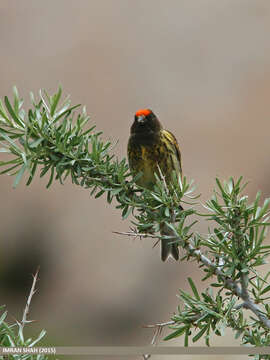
[(203, 66)]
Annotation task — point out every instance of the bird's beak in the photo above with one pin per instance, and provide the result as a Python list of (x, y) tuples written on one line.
[(141, 119)]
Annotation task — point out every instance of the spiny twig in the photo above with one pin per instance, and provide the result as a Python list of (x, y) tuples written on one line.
[(27, 306), (158, 330), (133, 233), (229, 283)]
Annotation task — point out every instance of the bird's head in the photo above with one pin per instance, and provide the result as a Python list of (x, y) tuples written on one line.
[(145, 122)]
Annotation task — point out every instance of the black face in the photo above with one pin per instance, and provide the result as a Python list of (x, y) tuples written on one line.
[(146, 124)]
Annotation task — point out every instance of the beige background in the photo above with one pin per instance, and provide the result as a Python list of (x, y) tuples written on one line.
[(204, 67)]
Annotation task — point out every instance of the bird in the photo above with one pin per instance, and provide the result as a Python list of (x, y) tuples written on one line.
[(151, 150)]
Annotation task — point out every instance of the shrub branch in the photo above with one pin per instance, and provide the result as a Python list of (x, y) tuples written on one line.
[(55, 138)]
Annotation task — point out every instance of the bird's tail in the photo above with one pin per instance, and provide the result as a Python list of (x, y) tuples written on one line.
[(168, 248)]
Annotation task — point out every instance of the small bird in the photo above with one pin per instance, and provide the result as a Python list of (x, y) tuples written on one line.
[(152, 149)]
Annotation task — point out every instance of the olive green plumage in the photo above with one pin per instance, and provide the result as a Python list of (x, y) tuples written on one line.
[(152, 149)]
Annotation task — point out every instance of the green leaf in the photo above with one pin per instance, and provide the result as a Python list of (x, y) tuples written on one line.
[(167, 212), (126, 212), (35, 143), (45, 170), (10, 141), (19, 176), (10, 168), (217, 207), (211, 312), (55, 101), (224, 195), (156, 197), (256, 202), (16, 100), (265, 290), (187, 333), (4, 114), (33, 170), (176, 333), (265, 206), (3, 316), (40, 336), (61, 114), (51, 178), (200, 333), (12, 113), (221, 327), (237, 185), (11, 341), (194, 289), (99, 194)]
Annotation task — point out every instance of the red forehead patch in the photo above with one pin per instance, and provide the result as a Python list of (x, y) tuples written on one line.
[(144, 112)]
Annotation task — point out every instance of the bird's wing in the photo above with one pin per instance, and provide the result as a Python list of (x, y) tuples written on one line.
[(172, 140)]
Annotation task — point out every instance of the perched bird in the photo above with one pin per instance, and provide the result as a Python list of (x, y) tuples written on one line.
[(152, 149)]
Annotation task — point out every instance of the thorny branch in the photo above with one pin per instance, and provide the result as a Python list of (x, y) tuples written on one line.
[(52, 136), (229, 283), (158, 330), (27, 306)]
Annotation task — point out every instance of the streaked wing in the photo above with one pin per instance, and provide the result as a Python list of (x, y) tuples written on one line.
[(174, 144)]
